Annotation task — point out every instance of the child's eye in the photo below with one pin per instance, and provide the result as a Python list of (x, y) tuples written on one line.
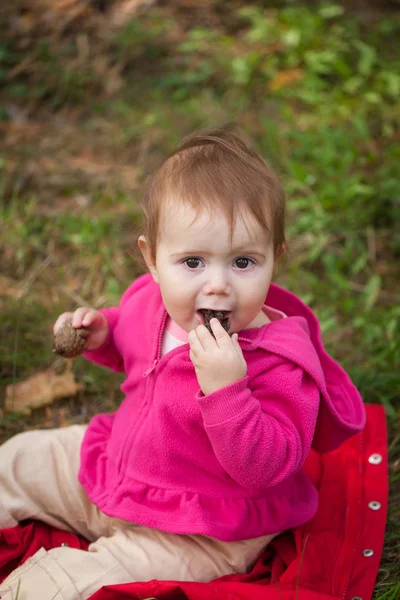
[(192, 263), (243, 263)]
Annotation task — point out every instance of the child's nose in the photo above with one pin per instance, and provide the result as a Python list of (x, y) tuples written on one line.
[(218, 283)]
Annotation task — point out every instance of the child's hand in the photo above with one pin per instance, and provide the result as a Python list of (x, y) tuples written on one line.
[(89, 318), (218, 362)]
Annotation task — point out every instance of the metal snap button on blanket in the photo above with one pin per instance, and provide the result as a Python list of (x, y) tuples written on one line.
[(375, 459)]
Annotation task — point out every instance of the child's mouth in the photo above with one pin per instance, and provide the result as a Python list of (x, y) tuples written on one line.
[(223, 316)]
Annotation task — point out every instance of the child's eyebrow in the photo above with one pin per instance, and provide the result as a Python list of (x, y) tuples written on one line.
[(243, 249)]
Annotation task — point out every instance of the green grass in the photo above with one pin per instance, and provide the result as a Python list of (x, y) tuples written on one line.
[(318, 91)]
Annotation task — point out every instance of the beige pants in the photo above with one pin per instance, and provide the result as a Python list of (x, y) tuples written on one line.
[(38, 479)]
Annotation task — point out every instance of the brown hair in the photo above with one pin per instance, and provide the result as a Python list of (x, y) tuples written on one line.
[(216, 168)]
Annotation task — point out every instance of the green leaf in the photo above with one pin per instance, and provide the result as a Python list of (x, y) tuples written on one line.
[(331, 11), (372, 291)]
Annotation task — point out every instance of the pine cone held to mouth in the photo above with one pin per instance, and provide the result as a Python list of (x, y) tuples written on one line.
[(221, 315), (69, 342)]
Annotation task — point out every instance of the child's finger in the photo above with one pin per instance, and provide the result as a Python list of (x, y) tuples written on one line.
[(206, 339), (195, 344), (79, 315), (238, 348), (93, 317), (222, 338)]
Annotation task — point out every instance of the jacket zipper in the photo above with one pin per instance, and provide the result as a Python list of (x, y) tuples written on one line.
[(159, 343), (150, 369), (153, 365)]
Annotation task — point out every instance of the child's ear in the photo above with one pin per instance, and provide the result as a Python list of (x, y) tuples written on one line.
[(281, 252), (145, 250), (277, 264)]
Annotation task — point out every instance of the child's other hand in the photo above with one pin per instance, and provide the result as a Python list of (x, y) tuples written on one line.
[(218, 362), (89, 318)]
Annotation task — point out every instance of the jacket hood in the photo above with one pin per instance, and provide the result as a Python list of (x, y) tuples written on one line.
[(342, 412)]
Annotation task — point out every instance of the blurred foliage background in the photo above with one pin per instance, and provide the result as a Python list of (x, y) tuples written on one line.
[(94, 93)]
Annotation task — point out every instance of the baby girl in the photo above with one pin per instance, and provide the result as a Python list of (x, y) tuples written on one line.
[(227, 388)]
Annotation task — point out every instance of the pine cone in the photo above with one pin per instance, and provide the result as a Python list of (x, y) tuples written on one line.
[(70, 342), (209, 314)]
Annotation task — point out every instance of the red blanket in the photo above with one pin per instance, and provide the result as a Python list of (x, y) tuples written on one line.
[(334, 556)]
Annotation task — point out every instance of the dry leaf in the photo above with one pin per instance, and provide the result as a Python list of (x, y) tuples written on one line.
[(9, 287), (285, 78), (18, 130), (124, 11), (39, 390)]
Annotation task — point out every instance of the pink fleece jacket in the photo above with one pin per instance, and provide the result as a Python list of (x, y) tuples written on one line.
[(229, 464)]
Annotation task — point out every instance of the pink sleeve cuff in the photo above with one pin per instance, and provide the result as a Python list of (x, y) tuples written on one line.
[(224, 404)]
